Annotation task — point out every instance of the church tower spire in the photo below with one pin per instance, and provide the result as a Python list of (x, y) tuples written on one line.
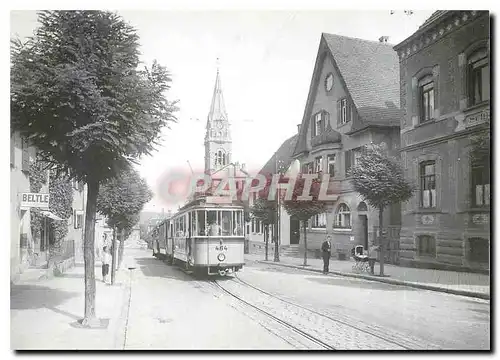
[(218, 135)]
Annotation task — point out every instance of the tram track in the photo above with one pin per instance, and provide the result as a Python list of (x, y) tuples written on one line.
[(329, 318), (333, 333), (284, 323)]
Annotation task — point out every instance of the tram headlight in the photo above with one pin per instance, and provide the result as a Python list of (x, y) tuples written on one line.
[(221, 257)]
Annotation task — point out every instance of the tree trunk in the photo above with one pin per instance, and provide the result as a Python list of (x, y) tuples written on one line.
[(305, 242), (113, 257), (89, 254), (381, 240), (266, 239), (120, 251)]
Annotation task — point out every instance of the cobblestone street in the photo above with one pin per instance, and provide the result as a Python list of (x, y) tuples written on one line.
[(157, 306)]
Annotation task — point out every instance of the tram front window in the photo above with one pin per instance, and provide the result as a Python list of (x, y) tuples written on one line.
[(226, 223), (200, 217), (213, 226), (238, 223)]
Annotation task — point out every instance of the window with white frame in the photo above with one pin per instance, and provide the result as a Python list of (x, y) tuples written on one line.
[(318, 164), (479, 77), (427, 100), (343, 217), (342, 111), (319, 221), (317, 124), (480, 183), (331, 164), (428, 184)]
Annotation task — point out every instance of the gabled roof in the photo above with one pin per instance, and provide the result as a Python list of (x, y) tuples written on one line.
[(283, 155), (370, 72)]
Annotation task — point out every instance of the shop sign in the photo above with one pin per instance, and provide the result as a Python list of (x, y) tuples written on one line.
[(34, 200)]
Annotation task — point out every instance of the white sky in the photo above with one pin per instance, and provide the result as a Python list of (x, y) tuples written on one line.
[(266, 64)]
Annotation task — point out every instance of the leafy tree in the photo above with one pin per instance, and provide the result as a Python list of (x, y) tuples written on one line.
[(303, 210), (121, 201), (379, 179), (61, 204), (78, 96)]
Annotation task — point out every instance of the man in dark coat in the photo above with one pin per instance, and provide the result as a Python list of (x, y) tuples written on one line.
[(326, 249)]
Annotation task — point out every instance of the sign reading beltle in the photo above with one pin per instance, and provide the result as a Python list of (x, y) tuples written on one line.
[(35, 200)]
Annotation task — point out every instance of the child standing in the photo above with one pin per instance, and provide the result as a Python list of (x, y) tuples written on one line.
[(106, 260)]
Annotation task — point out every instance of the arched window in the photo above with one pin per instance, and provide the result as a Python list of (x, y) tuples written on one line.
[(343, 217), (479, 77)]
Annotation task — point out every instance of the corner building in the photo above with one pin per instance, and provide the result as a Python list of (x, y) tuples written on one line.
[(445, 98)]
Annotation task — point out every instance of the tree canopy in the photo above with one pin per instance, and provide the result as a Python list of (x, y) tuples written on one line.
[(121, 199), (305, 209), (379, 178), (78, 95)]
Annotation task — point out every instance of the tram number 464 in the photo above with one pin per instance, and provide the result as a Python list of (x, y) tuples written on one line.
[(220, 248)]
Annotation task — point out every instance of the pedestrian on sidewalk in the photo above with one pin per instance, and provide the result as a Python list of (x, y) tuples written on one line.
[(106, 260), (326, 248)]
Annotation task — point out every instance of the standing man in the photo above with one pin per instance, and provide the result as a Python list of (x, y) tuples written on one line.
[(326, 248)]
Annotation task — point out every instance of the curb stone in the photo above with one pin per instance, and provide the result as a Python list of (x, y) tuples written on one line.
[(121, 327), (388, 281)]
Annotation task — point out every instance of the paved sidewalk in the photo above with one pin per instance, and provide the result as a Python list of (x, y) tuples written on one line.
[(44, 312), (459, 283)]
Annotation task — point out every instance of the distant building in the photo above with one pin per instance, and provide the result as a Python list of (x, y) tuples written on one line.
[(445, 97), (289, 227)]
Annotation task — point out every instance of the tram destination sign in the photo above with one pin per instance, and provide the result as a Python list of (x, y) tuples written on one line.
[(35, 200)]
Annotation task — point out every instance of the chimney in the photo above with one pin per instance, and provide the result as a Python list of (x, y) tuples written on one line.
[(383, 39), (298, 128)]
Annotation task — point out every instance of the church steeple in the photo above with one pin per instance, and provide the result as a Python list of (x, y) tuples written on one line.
[(218, 135), (217, 108)]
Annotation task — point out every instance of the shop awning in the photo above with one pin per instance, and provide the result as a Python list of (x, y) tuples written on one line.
[(51, 215)]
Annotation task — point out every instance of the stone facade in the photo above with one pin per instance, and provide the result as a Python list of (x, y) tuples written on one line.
[(451, 231)]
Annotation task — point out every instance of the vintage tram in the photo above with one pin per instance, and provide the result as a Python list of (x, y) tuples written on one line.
[(205, 236)]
